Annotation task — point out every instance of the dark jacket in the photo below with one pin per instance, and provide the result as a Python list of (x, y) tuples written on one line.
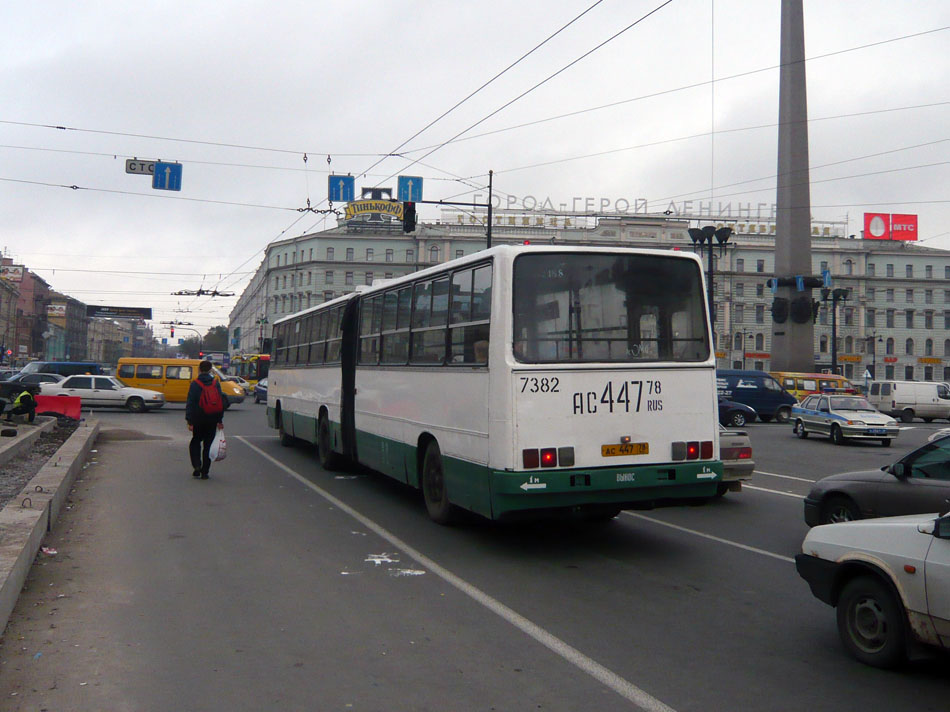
[(193, 413)]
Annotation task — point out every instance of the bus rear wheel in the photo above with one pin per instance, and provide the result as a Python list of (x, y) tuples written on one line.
[(434, 491)]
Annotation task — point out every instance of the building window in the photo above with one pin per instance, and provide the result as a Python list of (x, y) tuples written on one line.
[(909, 269), (759, 342), (928, 320), (909, 347), (929, 347), (760, 290), (760, 265), (946, 272), (348, 278), (740, 265), (928, 373), (909, 296), (823, 344), (928, 296), (369, 278), (369, 254), (889, 295), (908, 373), (459, 253), (389, 255), (328, 277), (349, 254), (309, 278), (871, 269), (848, 316), (410, 255), (737, 343), (327, 296), (889, 346), (946, 320), (890, 270), (870, 293), (848, 267), (759, 313), (285, 281), (740, 289), (869, 317), (276, 282), (434, 253), (889, 319), (823, 315), (909, 318), (823, 266), (389, 275), (889, 372), (946, 347), (329, 254), (929, 271), (283, 303), (740, 313)]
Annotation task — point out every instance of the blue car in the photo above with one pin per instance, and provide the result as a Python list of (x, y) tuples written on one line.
[(735, 414), (260, 391)]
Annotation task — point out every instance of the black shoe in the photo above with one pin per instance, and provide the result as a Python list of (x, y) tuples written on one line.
[(196, 473), (204, 475)]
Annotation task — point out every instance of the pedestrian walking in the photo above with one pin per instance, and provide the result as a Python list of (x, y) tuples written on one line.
[(23, 405), (204, 412)]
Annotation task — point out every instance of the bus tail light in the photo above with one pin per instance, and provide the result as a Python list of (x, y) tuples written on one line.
[(693, 450), (533, 458), (530, 458)]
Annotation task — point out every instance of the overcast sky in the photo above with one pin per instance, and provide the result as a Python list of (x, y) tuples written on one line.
[(277, 81)]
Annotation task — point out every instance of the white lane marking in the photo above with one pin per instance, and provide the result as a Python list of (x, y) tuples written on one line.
[(786, 477), (772, 491), (612, 680), (728, 542)]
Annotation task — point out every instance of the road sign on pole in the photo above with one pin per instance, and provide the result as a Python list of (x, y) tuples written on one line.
[(409, 189), (342, 189), (167, 176)]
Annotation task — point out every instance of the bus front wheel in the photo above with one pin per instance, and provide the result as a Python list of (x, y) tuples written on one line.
[(434, 491), (329, 460)]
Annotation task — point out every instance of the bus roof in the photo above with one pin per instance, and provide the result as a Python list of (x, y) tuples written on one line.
[(509, 252)]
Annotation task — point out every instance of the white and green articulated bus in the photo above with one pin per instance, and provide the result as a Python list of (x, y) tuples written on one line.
[(518, 380)]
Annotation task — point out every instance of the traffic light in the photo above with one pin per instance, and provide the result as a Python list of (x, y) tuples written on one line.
[(408, 217), (173, 332)]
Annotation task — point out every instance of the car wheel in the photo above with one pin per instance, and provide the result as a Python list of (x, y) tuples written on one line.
[(329, 460), (737, 419), (928, 420), (839, 509), (886, 442), (871, 623), (837, 437), (433, 486), (800, 429), (135, 404), (783, 415), (907, 415)]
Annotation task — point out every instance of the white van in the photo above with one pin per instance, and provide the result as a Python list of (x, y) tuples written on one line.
[(910, 399)]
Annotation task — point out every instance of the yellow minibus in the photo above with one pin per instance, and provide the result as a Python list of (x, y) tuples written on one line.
[(804, 384), (173, 377)]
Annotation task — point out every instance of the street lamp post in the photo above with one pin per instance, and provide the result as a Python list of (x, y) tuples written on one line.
[(703, 237), (837, 295), (260, 338), (743, 334)]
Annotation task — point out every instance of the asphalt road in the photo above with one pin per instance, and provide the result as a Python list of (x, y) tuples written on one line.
[(277, 585)]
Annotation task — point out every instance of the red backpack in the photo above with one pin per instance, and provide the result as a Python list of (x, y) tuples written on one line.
[(210, 402)]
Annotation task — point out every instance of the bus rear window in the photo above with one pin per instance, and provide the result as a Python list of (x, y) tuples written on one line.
[(608, 308)]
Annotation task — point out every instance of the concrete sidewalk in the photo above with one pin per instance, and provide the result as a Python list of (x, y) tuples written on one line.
[(26, 519)]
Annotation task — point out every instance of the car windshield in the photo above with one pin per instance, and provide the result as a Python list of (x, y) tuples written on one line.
[(116, 382), (851, 403)]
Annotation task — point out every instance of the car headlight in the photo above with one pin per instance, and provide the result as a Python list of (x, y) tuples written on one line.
[(891, 423), (856, 422)]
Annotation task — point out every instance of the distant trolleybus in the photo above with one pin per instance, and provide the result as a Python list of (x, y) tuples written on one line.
[(250, 367), (517, 380)]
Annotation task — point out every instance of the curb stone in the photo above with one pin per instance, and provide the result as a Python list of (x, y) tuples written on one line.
[(26, 519), (25, 437)]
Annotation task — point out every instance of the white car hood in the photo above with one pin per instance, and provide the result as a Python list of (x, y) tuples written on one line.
[(866, 416), (870, 539)]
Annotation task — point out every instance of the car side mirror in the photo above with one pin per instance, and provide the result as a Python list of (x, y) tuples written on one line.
[(899, 470), (942, 528)]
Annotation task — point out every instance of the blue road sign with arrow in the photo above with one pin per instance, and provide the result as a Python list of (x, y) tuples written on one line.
[(167, 176), (342, 189), (409, 189)]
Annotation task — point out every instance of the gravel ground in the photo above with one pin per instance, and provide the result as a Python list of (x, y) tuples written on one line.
[(15, 474)]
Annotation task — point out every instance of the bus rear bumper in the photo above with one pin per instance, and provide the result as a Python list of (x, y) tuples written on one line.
[(643, 487)]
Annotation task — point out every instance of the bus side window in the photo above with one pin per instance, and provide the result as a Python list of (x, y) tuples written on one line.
[(127, 370)]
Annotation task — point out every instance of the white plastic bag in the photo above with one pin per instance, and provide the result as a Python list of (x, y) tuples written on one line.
[(219, 447)]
